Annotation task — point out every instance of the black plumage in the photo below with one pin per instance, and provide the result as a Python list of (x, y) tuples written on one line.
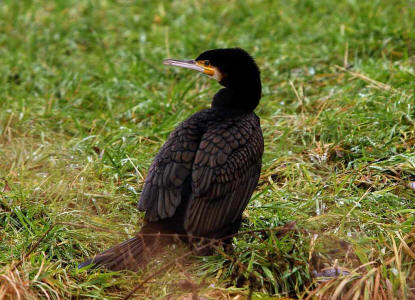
[(204, 175)]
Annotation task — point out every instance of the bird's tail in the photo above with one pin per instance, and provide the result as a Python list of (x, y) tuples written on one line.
[(129, 255)]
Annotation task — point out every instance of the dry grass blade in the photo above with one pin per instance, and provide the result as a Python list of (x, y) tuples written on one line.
[(405, 245), (12, 286), (341, 287), (377, 285), (375, 83)]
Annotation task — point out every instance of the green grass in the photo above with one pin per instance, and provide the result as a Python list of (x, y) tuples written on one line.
[(85, 103)]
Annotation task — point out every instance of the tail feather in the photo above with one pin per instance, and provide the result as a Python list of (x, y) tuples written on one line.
[(129, 255)]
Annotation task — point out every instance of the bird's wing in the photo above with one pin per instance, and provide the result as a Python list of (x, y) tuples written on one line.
[(225, 173), (165, 181)]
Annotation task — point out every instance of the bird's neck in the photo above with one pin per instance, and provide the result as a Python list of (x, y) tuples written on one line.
[(243, 99)]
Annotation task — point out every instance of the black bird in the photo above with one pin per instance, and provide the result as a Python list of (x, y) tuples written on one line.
[(204, 175)]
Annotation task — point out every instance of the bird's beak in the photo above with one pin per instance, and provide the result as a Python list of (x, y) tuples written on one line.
[(190, 64)]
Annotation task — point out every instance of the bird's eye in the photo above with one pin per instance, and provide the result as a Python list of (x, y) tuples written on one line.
[(206, 63)]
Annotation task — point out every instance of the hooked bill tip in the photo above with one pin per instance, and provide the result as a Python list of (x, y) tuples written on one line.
[(166, 61)]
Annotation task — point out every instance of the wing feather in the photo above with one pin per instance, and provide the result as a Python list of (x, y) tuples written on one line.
[(225, 172), (165, 182)]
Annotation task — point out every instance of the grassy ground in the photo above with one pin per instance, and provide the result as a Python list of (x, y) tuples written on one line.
[(85, 103)]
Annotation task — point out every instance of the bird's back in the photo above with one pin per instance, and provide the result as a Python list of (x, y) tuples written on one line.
[(205, 173)]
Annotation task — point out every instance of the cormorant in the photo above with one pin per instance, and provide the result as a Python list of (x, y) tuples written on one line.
[(204, 175)]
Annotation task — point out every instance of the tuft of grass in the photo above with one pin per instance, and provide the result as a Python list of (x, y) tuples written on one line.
[(85, 104), (382, 277)]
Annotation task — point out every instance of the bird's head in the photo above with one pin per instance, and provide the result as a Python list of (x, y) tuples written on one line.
[(233, 68)]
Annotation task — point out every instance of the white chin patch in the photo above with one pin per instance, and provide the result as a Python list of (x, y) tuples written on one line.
[(218, 75)]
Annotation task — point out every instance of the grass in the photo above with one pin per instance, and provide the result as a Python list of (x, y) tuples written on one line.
[(85, 103)]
